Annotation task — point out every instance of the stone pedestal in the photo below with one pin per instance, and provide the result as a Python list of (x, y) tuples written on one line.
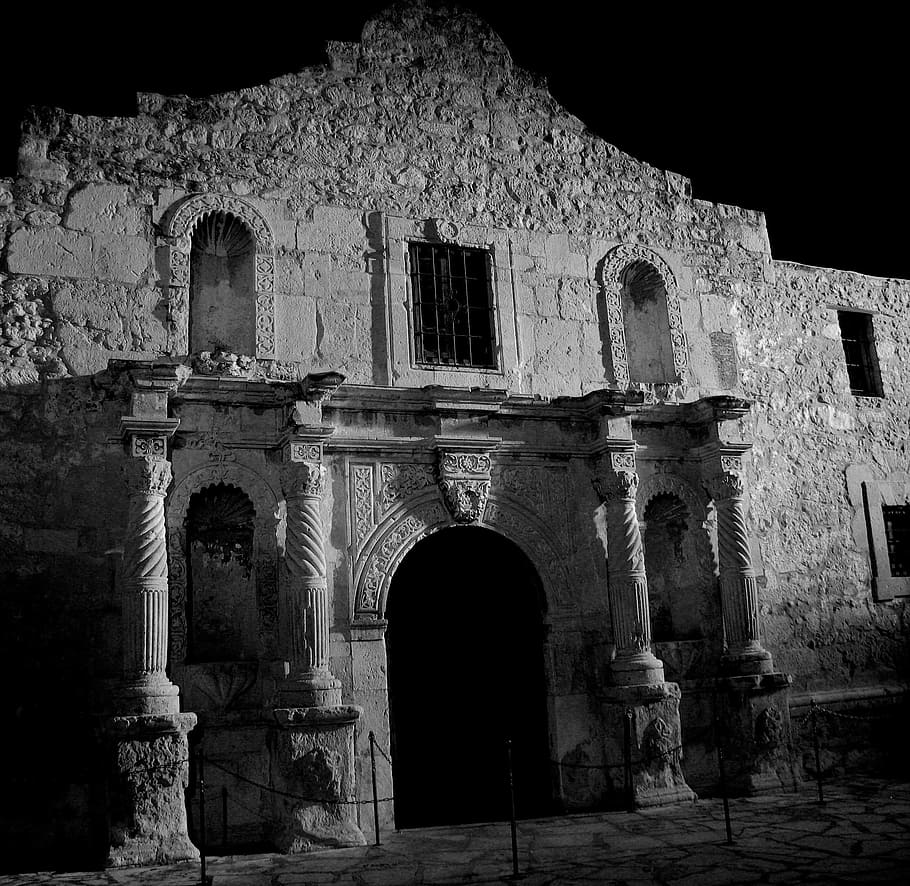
[(314, 806), (754, 731), (657, 776), (148, 774)]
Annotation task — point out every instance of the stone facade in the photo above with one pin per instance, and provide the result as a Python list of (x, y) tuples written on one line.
[(215, 299)]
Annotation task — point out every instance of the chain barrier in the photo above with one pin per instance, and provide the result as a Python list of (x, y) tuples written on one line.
[(288, 794), (819, 709)]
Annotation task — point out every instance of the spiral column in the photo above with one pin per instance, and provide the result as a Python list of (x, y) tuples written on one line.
[(739, 592), (617, 486), (306, 623), (146, 688)]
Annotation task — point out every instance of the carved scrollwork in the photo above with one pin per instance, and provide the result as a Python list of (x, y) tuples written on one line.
[(361, 486), (615, 263), (464, 480), (399, 481), (153, 447)]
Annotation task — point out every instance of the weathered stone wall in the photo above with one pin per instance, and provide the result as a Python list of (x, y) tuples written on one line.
[(811, 434), (421, 122), (375, 130)]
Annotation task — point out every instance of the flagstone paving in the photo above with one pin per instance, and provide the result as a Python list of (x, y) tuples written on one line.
[(861, 834)]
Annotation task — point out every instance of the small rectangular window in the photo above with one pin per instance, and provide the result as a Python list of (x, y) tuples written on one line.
[(897, 534), (859, 353), (452, 306)]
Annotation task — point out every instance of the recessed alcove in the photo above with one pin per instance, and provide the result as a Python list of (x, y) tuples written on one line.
[(647, 324), (222, 285), (222, 619)]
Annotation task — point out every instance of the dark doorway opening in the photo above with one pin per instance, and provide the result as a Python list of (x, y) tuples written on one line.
[(466, 672)]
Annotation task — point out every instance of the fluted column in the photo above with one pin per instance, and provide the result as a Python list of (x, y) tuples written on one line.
[(739, 591), (617, 485), (306, 618), (145, 687)]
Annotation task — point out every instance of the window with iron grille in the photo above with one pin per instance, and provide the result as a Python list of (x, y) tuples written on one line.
[(452, 306), (897, 534), (859, 353)]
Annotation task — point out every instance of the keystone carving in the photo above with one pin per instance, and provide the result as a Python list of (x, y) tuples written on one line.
[(464, 480)]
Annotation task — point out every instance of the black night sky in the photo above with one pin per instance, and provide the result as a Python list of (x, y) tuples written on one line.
[(803, 118)]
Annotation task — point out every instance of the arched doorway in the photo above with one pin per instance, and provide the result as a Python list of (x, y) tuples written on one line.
[(466, 671)]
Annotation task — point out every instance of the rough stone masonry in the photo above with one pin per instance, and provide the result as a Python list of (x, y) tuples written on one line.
[(235, 399)]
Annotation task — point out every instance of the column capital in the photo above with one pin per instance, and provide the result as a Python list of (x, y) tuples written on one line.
[(616, 478), (303, 479), (147, 475), (725, 486)]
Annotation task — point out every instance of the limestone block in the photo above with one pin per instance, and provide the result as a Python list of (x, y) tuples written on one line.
[(54, 252), (79, 352), (295, 328), (333, 229), (121, 258), (105, 209), (313, 767)]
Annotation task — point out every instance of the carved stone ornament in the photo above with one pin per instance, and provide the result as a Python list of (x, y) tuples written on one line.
[(224, 363), (465, 499), (615, 263), (616, 485), (657, 739), (726, 486), (147, 475), (464, 480), (297, 452), (446, 230), (179, 231), (153, 447), (769, 727), (303, 478)]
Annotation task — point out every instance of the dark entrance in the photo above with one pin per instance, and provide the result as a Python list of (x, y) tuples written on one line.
[(466, 671)]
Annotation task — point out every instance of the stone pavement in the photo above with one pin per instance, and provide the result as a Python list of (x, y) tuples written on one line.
[(860, 835)]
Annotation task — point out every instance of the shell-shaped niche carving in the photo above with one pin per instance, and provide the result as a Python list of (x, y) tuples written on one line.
[(221, 506), (222, 234)]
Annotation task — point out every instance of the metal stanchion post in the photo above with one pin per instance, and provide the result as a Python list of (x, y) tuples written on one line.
[(818, 755), (204, 880), (224, 819), (375, 792), (627, 760), (723, 793), (512, 824)]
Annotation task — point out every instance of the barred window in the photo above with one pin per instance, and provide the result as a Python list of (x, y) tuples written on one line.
[(897, 534), (452, 305), (859, 353)]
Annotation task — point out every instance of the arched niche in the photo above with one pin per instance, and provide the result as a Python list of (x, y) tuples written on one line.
[(263, 557), (222, 286), (222, 615), (644, 328), (679, 562), (202, 221)]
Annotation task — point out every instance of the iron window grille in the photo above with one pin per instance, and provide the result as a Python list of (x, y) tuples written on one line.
[(859, 353), (897, 535), (452, 306)]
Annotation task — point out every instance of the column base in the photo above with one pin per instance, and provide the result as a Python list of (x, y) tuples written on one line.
[(313, 768), (656, 753), (756, 733), (148, 774), (747, 662), (640, 669), (312, 690), (145, 697)]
